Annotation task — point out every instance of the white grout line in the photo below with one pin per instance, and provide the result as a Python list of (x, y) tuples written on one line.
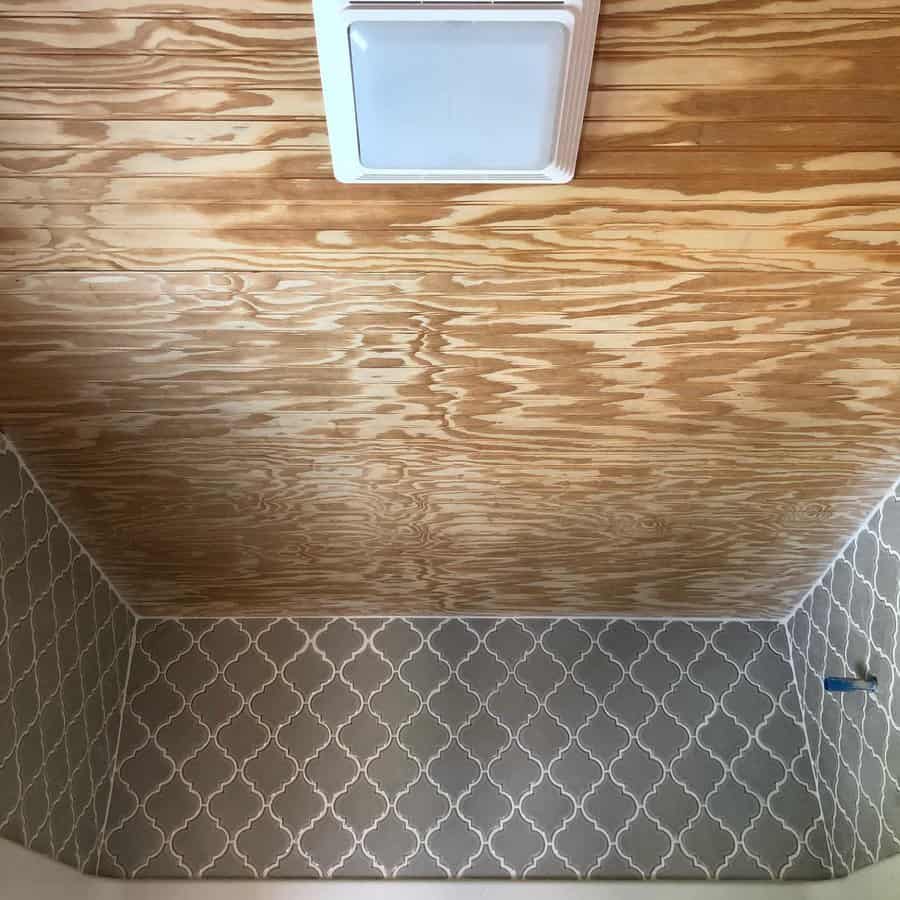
[(114, 771), (545, 763), (813, 764), (12, 449)]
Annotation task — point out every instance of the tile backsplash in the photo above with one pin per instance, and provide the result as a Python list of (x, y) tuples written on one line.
[(848, 625), (463, 747), (64, 646)]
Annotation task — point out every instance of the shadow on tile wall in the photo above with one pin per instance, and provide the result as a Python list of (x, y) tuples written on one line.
[(64, 645), (474, 747), (847, 625)]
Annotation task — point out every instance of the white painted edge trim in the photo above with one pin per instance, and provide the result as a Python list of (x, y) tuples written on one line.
[(25, 875)]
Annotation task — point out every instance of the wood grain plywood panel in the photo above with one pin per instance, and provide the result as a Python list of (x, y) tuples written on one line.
[(708, 33), (461, 527), (670, 387)]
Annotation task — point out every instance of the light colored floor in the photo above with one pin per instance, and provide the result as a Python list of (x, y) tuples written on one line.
[(28, 876)]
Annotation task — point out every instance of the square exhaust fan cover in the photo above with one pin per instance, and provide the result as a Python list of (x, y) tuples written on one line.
[(455, 92)]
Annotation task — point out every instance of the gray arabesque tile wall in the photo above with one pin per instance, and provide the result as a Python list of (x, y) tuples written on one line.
[(463, 747), (849, 625), (442, 747), (65, 641)]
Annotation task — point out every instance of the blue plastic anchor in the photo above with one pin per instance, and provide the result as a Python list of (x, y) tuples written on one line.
[(845, 685)]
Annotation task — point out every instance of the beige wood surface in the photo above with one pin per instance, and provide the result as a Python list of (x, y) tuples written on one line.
[(671, 387)]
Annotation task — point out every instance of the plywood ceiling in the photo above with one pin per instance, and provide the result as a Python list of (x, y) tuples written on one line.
[(670, 387)]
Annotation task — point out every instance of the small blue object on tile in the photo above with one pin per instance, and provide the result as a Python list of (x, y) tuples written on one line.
[(845, 685)]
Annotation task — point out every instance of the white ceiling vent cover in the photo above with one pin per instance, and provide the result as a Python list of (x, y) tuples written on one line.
[(455, 91)]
